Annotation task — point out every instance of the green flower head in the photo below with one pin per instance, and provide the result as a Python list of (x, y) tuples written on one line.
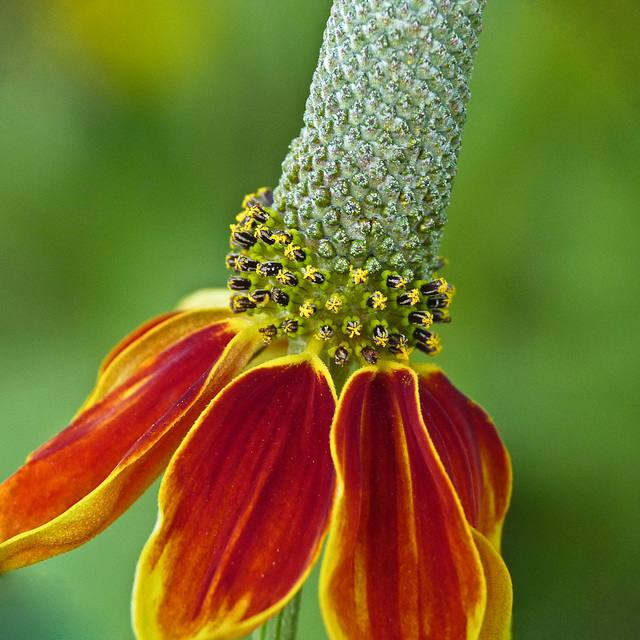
[(346, 248)]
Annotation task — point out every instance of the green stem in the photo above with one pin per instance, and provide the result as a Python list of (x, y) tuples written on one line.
[(283, 626)]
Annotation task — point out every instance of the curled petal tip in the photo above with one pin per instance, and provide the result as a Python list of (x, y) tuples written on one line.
[(471, 451), (496, 624)]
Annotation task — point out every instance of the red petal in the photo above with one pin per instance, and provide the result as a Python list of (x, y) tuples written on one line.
[(244, 506), (136, 334), (76, 484), (145, 343), (470, 449), (400, 561)]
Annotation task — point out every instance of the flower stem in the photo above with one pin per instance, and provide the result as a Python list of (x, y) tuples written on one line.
[(283, 626)]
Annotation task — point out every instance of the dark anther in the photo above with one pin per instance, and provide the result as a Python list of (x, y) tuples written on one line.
[(408, 299), (313, 275), (268, 333), (433, 287), (341, 356), (295, 253), (266, 195), (426, 341), (380, 336), (264, 234), (240, 304), (258, 213), (422, 335), (307, 309), (370, 355), (246, 223), (441, 315), (396, 282), (397, 343), (428, 349), (239, 262), (287, 278), (279, 296), (353, 328), (325, 332), (439, 302), (259, 296), (243, 239), (377, 301), (430, 346), (289, 326), (281, 237), (423, 318), (231, 260), (269, 268), (238, 283)]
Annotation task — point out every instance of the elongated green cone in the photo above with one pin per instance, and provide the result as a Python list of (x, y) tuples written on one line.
[(368, 180), (346, 248)]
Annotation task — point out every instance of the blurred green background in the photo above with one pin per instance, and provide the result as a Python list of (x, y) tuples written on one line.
[(130, 132)]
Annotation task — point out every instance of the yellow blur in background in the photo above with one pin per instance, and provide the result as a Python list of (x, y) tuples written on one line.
[(144, 49)]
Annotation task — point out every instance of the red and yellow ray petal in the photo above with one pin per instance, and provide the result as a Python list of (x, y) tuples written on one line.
[(147, 342), (496, 624), (244, 506), (146, 400), (134, 336), (400, 561), (470, 449)]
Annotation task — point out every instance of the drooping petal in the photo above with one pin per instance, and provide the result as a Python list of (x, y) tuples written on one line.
[(147, 342), (244, 506), (145, 401), (470, 449), (134, 336), (400, 561), (497, 616)]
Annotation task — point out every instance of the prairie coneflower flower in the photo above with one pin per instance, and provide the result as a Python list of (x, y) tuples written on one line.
[(267, 451)]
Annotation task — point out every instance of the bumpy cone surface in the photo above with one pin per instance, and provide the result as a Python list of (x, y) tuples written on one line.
[(368, 180), (346, 248)]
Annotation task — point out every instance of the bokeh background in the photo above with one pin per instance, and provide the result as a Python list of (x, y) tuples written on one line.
[(130, 131)]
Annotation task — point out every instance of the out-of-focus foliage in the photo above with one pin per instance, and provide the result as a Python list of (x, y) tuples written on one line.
[(145, 49), (129, 133)]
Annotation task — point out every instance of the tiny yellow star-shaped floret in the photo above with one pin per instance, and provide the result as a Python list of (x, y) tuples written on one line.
[(309, 271), (307, 309), (445, 287), (378, 301), (290, 251), (358, 276), (403, 353), (353, 328), (334, 304), (427, 319), (381, 341), (279, 237), (324, 333)]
